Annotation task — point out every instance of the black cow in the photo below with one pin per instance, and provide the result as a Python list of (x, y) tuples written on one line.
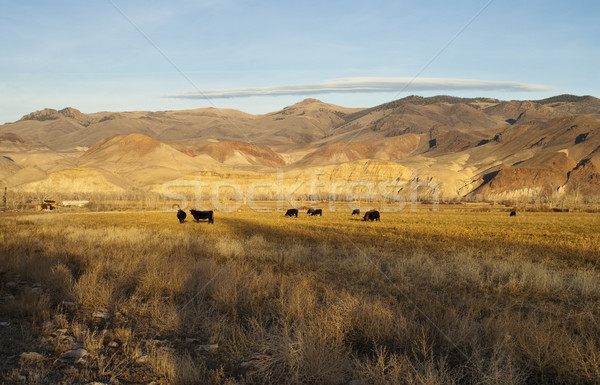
[(356, 212), (314, 212), (202, 215), (291, 213), (371, 215), (181, 215), (513, 213)]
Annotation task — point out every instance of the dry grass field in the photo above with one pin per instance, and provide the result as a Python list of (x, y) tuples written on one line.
[(257, 298)]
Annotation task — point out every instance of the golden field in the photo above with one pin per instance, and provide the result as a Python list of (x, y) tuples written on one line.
[(449, 297)]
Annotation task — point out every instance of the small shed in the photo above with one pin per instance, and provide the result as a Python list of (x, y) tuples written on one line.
[(47, 204)]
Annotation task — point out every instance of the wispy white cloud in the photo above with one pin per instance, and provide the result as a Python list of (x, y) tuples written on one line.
[(366, 84)]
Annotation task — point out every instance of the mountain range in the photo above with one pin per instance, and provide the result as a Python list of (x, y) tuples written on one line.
[(459, 148)]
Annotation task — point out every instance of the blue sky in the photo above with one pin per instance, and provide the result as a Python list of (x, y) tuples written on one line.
[(117, 55)]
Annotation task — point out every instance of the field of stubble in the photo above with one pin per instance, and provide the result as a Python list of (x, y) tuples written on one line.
[(257, 298)]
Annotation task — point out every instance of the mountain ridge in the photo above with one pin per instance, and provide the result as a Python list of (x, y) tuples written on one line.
[(472, 147)]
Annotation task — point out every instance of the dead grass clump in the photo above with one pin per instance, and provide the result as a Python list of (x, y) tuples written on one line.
[(300, 355), (184, 369), (91, 340), (242, 292), (228, 249), (297, 298), (36, 305), (393, 369), (158, 277), (373, 321), (93, 290), (60, 282), (310, 350), (30, 303)]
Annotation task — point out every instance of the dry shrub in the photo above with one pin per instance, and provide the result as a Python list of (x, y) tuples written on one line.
[(393, 369), (500, 367), (150, 314), (382, 368), (585, 283), (93, 290), (298, 298), (256, 244), (163, 364), (184, 369), (311, 350), (91, 340), (373, 320), (32, 303), (228, 248), (242, 292), (60, 282), (551, 351), (123, 334), (296, 356), (160, 277)]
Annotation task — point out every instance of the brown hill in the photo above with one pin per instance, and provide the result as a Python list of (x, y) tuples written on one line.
[(7, 167), (584, 180), (28, 153), (79, 180), (133, 145), (139, 157), (233, 153), (394, 148), (302, 123), (542, 175), (10, 142)]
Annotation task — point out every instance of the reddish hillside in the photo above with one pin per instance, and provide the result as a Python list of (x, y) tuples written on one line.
[(584, 180), (136, 145), (542, 174), (11, 142), (394, 148), (233, 152), (139, 157)]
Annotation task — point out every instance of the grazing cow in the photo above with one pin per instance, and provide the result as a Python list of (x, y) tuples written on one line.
[(181, 215), (513, 213), (291, 213), (202, 215), (371, 215), (314, 212), (310, 211), (356, 212)]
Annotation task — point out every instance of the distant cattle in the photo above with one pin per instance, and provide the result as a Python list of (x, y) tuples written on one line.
[(513, 213), (371, 215), (291, 213), (202, 215), (181, 215), (314, 212), (356, 212)]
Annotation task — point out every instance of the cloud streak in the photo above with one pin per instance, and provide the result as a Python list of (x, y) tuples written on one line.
[(366, 84)]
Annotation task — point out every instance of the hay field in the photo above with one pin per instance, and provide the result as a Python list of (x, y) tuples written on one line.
[(257, 298)]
